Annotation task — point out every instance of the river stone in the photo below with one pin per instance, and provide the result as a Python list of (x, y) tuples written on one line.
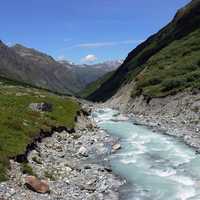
[(83, 151), (116, 147), (39, 186)]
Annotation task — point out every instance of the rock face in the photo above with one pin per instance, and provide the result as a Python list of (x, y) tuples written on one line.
[(37, 185)]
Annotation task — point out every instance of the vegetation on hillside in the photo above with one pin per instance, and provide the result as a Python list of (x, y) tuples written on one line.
[(19, 124), (90, 88), (174, 68), (186, 21)]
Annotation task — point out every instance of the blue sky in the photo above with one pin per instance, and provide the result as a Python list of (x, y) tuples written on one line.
[(74, 29)]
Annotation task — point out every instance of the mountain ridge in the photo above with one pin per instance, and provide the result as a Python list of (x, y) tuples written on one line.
[(31, 66), (185, 21)]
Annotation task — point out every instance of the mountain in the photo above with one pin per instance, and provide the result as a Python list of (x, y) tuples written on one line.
[(33, 67), (87, 74), (164, 64), (38, 69)]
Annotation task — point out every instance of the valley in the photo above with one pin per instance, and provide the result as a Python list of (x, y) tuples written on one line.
[(123, 129)]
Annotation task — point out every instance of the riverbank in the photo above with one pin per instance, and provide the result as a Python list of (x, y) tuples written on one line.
[(176, 115), (155, 165), (73, 165)]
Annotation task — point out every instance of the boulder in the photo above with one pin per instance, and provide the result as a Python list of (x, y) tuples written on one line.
[(41, 107), (83, 151), (39, 186)]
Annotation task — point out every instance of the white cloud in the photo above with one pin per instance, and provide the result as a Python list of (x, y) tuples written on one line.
[(105, 44), (89, 58)]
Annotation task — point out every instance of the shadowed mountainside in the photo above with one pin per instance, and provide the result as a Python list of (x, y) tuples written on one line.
[(33, 67), (185, 22)]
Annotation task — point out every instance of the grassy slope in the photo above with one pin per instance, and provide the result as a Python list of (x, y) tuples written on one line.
[(19, 125), (90, 88), (186, 21), (174, 68)]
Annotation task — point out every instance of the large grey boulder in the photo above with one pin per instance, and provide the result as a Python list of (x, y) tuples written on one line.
[(41, 107)]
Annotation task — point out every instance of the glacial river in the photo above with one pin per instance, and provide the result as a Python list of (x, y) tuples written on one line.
[(156, 167)]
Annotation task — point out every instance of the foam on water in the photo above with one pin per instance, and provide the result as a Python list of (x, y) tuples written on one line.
[(183, 180), (164, 173), (161, 167), (128, 161), (186, 194)]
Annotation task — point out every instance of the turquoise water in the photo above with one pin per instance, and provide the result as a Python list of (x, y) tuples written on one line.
[(156, 167)]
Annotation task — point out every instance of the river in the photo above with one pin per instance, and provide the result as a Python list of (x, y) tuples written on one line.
[(156, 166)]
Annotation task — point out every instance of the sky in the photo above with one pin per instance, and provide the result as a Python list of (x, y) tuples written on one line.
[(84, 31)]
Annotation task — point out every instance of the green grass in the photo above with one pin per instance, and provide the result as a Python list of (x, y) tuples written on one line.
[(173, 69), (19, 124), (92, 87)]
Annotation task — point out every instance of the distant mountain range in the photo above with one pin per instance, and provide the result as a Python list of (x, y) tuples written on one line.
[(90, 73), (39, 69)]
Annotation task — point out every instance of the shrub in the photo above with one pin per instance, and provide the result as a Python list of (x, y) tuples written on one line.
[(198, 63), (194, 76), (171, 84), (155, 81), (27, 169)]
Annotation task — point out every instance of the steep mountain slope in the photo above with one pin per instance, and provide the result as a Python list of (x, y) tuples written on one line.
[(42, 70), (91, 87), (186, 21)]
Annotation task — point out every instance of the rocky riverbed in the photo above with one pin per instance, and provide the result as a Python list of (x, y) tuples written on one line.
[(177, 115), (74, 166)]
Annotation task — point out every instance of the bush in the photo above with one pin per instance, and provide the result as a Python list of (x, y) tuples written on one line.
[(194, 76), (27, 169), (198, 63), (171, 84), (155, 81)]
